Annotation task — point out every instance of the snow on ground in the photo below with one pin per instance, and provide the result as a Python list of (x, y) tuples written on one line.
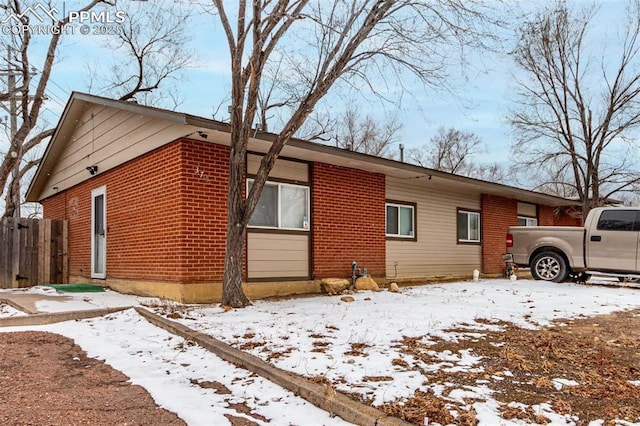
[(324, 336), (170, 368), (9, 311), (316, 336)]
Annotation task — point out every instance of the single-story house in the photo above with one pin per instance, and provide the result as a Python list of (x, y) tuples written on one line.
[(144, 193)]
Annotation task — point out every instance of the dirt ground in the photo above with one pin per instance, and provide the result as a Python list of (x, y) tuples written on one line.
[(46, 379)]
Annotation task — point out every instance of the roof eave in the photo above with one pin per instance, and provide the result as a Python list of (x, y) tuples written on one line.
[(38, 181)]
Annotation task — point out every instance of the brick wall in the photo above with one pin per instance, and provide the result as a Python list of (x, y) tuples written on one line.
[(567, 216), (545, 216), (348, 219), (559, 216), (151, 233), (498, 213), (204, 183)]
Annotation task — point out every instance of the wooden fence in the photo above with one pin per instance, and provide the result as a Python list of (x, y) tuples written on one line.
[(32, 252)]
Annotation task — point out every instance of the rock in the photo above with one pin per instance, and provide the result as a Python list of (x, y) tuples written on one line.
[(334, 285), (347, 299), (393, 288), (367, 283)]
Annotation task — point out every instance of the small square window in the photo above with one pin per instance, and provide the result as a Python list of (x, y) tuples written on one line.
[(468, 226), (281, 206), (400, 220)]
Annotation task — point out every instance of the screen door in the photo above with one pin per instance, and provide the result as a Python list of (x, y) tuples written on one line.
[(98, 234)]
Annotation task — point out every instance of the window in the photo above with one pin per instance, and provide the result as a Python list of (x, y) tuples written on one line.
[(527, 221), (617, 220), (400, 220), (282, 206), (468, 226)]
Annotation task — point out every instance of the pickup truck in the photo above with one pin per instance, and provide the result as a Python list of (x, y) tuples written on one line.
[(606, 245)]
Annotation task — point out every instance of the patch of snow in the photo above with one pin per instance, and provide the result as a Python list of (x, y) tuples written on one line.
[(322, 336), (559, 383), (9, 311), (170, 368)]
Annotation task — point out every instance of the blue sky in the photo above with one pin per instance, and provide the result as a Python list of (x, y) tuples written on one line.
[(478, 105)]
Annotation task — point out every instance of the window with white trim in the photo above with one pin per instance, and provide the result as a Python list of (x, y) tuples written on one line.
[(281, 206), (400, 219), (527, 221), (468, 226)]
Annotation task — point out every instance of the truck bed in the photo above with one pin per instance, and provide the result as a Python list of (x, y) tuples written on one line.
[(532, 239)]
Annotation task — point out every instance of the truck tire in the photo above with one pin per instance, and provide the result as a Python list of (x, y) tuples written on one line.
[(549, 266)]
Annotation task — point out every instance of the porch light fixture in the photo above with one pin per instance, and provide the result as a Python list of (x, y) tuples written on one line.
[(92, 170), (202, 134)]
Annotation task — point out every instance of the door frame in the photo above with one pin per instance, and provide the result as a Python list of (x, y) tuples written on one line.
[(101, 191)]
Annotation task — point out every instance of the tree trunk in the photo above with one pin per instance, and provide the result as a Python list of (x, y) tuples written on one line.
[(9, 205), (232, 293)]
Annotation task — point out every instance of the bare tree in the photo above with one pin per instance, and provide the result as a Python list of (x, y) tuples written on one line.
[(148, 51), (27, 92), (451, 150), (154, 42), (577, 114), (342, 39), (491, 172), (363, 133)]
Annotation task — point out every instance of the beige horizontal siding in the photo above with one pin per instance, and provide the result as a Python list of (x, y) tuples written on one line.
[(526, 209), (271, 255), (107, 137), (436, 251), (283, 169)]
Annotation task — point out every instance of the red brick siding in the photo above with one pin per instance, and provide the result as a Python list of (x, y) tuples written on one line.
[(144, 218), (348, 221), (166, 215), (498, 213), (567, 216), (54, 207), (558, 216), (545, 216), (204, 182), (75, 206)]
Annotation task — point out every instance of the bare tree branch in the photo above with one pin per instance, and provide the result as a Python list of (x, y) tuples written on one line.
[(29, 101), (574, 119), (154, 40), (319, 43), (451, 150)]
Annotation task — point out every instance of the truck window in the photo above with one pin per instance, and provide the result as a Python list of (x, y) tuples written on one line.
[(617, 220)]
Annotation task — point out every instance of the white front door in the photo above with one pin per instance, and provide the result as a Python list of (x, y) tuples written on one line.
[(98, 233)]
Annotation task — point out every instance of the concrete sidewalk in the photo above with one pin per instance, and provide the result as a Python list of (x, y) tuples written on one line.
[(38, 308), (43, 299), (27, 302)]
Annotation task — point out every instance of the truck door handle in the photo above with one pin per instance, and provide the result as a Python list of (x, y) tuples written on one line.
[(596, 238)]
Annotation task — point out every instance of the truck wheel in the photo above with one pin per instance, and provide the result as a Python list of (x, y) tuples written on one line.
[(549, 266)]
